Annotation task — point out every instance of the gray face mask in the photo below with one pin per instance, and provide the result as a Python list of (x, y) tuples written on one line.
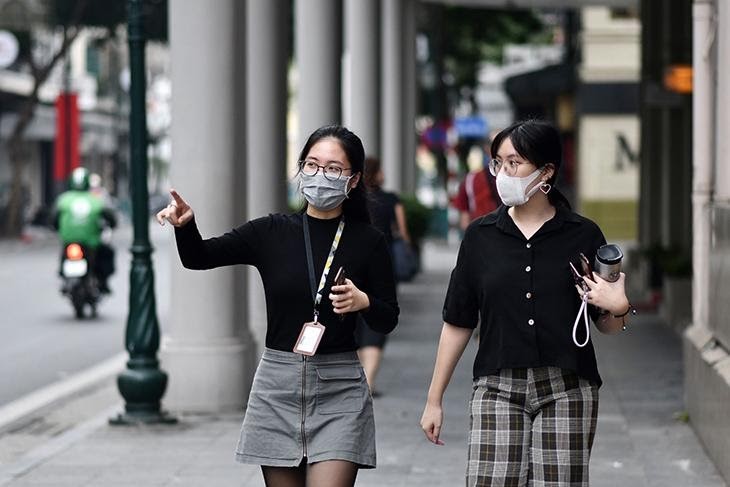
[(322, 193)]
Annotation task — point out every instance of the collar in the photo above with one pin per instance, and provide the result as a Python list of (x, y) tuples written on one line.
[(501, 219)]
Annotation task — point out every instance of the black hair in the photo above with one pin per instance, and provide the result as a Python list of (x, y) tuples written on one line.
[(355, 206), (372, 168), (539, 142)]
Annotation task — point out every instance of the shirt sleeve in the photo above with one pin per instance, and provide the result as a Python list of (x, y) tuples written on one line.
[(382, 315), (239, 246), (461, 307)]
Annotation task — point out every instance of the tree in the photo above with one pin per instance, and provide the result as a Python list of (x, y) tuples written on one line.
[(460, 39), (69, 17)]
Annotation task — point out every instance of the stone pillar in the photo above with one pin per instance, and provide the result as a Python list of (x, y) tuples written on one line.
[(361, 79), (706, 356), (722, 136), (409, 89), (205, 350), (266, 109), (318, 48), (392, 96), (702, 141)]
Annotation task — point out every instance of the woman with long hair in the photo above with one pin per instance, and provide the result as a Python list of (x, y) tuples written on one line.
[(309, 419)]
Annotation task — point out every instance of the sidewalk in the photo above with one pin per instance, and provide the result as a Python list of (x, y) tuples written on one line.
[(641, 440)]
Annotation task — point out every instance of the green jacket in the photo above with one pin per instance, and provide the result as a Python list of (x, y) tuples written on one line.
[(79, 218)]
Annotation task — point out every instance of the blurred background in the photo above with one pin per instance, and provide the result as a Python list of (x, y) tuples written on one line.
[(233, 88)]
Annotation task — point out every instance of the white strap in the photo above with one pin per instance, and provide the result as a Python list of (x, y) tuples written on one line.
[(584, 311)]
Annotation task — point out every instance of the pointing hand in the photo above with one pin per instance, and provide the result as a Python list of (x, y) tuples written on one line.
[(178, 212)]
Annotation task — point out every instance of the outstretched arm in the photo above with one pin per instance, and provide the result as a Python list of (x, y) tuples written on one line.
[(239, 246), (452, 343)]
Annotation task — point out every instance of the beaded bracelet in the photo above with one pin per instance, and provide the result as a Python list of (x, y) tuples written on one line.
[(631, 310)]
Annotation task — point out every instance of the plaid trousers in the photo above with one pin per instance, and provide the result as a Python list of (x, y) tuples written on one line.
[(531, 427)]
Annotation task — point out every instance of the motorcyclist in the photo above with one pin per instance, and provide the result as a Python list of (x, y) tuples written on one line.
[(80, 217)]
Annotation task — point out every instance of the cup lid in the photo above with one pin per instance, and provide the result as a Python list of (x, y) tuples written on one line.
[(609, 254)]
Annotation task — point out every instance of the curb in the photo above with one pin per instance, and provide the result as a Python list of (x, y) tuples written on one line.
[(28, 404)]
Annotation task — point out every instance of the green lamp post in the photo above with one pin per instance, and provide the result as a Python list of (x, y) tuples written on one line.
[(142, 384)]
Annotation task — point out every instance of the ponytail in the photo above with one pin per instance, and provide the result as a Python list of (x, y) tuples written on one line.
[(557, 199)]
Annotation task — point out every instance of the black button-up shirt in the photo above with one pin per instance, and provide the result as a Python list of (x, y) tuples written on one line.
[(523, 292)]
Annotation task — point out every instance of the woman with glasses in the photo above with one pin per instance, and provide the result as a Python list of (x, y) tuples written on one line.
[(535, 397), (309, 419)]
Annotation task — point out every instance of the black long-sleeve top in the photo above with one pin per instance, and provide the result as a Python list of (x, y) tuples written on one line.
[(524, 293), (275, 246)]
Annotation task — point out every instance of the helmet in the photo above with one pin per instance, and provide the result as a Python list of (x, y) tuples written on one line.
[(79, 179)]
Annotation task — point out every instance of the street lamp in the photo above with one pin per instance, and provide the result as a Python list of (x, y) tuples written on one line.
[(142, 384)]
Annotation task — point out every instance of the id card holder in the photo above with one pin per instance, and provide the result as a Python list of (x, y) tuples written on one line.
[(309, 338)]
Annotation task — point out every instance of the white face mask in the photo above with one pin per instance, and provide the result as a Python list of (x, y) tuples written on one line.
[(322, 193), (513, 190)]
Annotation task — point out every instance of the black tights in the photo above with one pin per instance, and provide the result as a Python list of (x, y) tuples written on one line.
[(330, 473)]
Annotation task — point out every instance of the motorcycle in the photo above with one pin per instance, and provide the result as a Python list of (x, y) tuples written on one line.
[(80, 284)]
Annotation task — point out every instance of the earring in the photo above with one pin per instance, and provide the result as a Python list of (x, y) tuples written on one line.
[(545, 187)]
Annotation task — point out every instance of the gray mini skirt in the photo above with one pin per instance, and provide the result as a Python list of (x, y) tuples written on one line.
[(308, 409)]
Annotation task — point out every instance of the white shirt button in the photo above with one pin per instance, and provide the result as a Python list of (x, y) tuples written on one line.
[(528, 268), (530, 322), (528, 295), (529, 245)]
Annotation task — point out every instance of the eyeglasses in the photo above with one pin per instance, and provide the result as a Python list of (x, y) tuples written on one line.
[(330, 171), (510, 166)]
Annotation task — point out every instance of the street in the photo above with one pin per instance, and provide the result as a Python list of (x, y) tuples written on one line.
[(42, 341)]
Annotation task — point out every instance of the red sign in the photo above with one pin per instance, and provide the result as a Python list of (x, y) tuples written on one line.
[(67, 136)]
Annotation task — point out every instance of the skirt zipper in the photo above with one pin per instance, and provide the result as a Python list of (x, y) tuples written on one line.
[(304, 405)]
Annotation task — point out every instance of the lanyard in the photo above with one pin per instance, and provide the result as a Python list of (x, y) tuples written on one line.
[(583, 310), (317, 292)]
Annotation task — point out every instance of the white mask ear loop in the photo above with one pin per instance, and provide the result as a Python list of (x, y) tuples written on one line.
[(348, 189), (584, 311)]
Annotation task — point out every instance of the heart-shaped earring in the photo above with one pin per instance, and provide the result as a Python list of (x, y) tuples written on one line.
[(545, 187)]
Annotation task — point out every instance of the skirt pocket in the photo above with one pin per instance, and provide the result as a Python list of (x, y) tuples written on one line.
[(340, 389)]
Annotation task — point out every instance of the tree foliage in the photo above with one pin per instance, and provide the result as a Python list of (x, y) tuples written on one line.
[(477, 35), (461, 38), (109, 14)]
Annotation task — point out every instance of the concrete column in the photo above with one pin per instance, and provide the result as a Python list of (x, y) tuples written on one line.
[(703, 108), (392, 95), (409, 90), (318, 49), (205, 350), (361, 79), (266, 108), (722, 161)]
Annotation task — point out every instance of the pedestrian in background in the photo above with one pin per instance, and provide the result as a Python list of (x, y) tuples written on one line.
[(535, 397), (309, 419), (389, 217), (477, 193)]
